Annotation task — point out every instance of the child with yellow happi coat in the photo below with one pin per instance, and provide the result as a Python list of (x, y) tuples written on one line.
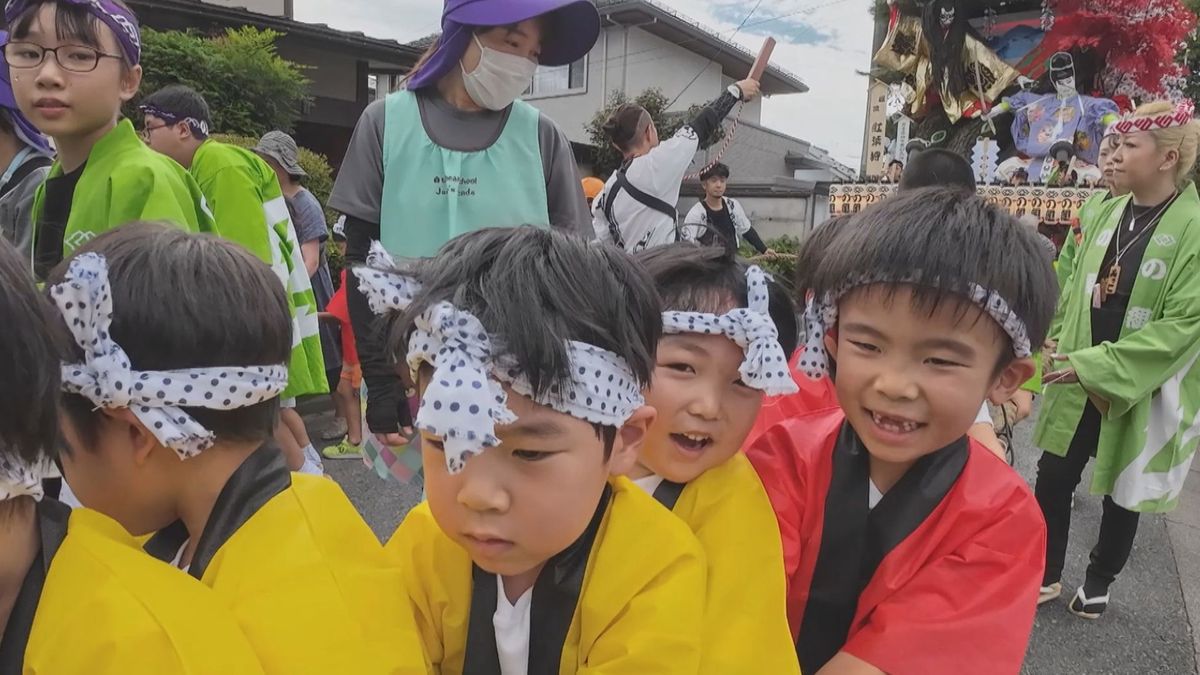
[(77, 595), (171, 411), (727, 332), (532, 554)]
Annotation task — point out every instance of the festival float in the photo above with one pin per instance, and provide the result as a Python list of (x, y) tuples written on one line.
[(1024, 89)]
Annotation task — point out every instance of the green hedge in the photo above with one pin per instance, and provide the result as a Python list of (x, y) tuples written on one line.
[(783, 269)]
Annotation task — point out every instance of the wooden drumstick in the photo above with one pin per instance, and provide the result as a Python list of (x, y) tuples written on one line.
[(764, 58)]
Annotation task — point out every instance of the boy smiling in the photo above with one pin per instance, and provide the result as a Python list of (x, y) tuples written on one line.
[(943, 542)]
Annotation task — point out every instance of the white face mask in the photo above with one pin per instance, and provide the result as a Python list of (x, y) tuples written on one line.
[(498, 79)]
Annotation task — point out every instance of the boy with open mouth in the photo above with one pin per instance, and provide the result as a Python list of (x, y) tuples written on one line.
[(727, 331)]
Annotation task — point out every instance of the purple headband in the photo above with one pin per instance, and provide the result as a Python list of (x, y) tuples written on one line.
[(123, 22), (199, 127)]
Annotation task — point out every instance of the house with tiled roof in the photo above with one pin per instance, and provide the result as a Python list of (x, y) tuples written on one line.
[(344, 68)]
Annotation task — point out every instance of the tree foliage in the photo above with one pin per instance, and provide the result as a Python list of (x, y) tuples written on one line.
[(250, 89), (1190, 57), (606, 158)]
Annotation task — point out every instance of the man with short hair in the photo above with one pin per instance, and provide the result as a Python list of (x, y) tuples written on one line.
[(248, 208), (720, 220)]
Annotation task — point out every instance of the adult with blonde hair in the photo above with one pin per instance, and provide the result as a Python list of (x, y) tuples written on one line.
[(1128, 387)]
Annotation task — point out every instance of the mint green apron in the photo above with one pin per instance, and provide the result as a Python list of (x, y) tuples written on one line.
[(432, 194)]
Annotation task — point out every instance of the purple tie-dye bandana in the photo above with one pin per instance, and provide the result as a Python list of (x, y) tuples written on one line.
[(123, 22), (199, 127)]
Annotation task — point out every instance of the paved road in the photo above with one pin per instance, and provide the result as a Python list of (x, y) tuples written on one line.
[(1145, 631)]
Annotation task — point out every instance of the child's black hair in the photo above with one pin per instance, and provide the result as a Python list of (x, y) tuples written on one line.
[(181, 101), (71, 22), (184, 301), (937, 167), (710, 279), (29, 364), (534, 290), (941, 240), (717, 169), (810, 254)]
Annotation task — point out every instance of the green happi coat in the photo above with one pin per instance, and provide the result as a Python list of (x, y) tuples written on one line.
[(1149, 376), (248, 207), (125, 181)]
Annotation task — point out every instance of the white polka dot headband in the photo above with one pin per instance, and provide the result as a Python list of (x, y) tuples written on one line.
[(766, 366), (107, 379), (464, 399), (18, 479), (386, 288), (821, 316)]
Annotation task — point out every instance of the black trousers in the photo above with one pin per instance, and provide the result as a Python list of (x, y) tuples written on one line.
[(1057, 478)]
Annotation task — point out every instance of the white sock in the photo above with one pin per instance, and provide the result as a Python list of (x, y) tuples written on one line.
[(311, 454), (311, 468)]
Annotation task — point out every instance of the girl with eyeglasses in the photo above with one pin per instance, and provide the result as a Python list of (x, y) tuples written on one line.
[(73, 63)]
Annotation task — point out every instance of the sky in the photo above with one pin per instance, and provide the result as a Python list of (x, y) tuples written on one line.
[(825, 42)]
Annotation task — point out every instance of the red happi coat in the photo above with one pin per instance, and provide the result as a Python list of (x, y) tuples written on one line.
[(814, 395), (949, 561)]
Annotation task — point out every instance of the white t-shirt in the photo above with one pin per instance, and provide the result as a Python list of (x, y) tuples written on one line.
[(984, 416), (658, 173), (873, 494), (511, 622), (649, 484)]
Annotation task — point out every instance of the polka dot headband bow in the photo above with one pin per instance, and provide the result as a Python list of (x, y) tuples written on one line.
[(18, 479), (386, 288), (106, 376), (765, 366), (465, 399), (821, 316)]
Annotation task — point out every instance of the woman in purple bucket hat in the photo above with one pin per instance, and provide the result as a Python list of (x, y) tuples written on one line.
[(455, 151)]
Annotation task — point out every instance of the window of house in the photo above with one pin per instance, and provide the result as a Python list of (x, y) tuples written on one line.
[(558, 80)]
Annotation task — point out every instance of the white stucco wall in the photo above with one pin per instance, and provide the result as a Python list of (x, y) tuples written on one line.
[(652, 62)]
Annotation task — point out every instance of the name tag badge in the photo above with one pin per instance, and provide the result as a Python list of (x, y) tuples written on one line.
[(1096, 296)]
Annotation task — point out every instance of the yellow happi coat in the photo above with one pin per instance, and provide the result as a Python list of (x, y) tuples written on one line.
[(304, 576), (108, 609), (639, 610), (746, 625)]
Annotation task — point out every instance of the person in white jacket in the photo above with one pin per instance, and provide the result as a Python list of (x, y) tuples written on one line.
[(720, 220), (637, 208)]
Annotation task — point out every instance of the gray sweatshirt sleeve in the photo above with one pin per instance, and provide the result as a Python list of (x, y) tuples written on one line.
[(358, 190), (564, 192)]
